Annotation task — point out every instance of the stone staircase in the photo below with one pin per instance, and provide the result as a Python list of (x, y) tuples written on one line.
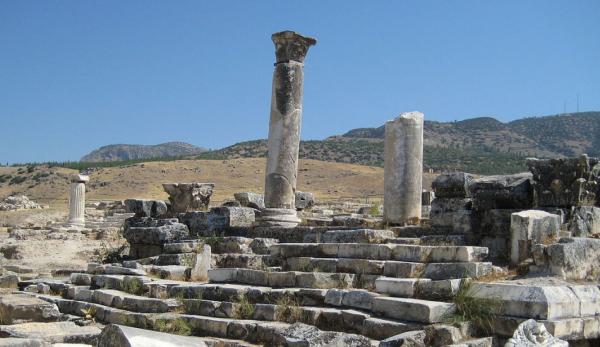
[(364, 285)]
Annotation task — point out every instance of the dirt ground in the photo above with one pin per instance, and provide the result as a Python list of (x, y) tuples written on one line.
[(329, 181)]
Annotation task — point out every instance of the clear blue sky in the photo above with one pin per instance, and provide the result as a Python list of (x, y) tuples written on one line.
[(76, 75)]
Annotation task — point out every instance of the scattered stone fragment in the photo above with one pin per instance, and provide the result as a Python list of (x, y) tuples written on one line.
[(533, 334), (185, 197)]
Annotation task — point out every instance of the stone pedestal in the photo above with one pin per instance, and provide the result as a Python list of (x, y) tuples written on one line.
[(77, 201), (528, 228), (284, 128), (403, 169)]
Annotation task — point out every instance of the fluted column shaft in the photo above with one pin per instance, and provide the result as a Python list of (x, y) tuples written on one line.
[(77, 201)]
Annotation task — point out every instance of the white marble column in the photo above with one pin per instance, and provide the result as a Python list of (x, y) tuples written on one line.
[(284, 129), (77, 201), (403, 169)]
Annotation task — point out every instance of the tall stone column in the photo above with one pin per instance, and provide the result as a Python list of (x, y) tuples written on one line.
[(77, 201), (284, 129), (403, 169)]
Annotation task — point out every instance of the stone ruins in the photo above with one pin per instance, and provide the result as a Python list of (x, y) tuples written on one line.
[(504, 260)]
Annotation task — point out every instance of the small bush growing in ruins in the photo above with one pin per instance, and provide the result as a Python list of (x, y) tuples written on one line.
[(173, 326), (108, 254), (89, 313), (288, 310), (374, 210), (187, 261), (212, 241), (133, 286), (243, 308), (479, 311)]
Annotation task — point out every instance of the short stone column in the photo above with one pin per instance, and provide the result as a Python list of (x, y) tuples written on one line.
[(77, 201), (403, 169), (284, 129), (528, 228)]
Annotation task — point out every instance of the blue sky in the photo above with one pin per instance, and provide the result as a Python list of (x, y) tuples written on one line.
[(76, 75)]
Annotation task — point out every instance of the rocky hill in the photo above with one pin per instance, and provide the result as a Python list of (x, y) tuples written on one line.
[(122, 152), (480, 145), (558, 135)]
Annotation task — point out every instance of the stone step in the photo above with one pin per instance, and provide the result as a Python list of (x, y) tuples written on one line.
[(418, 231), (422, 311), (436, 271), (248, 261), (221, 245), (49, 333), (268, 333), (109, 269), (130, 336), (416, 310), (23, 308), (350, 236), (318, 280), (418, 288), (400, 252), (346, 320), (134, 303), (170, 272)]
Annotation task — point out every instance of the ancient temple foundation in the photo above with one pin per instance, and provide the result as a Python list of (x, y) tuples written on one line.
[(77, 201), (284, 129), (403, 169)]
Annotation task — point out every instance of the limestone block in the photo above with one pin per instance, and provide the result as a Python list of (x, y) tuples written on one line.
[(452, 185), (584, 221), (9, 281), (360, 299), (528, 228), (21, 342), (281, 279), (201, 264), (414, 338), (383, 328), (186, 197), (146, 208), (165, 231), (20, 308), (304, 200), (261, 245), (502, 192), (565, 182), (531, 301), (357, 235), (453, 213), (571, 258), (415, 310), (299, 334), (52, 332), (80, 279), (248, 199), (532, 334), (401, 287), (124, 336)]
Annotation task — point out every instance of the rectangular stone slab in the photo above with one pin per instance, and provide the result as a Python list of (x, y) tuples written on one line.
[(415, 310)]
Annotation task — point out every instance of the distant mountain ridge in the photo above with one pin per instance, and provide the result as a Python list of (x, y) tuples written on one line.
[(480, 145), (121, 152), (548, 136)]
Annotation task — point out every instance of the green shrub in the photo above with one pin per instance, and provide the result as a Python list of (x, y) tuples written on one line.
[(479, 311)]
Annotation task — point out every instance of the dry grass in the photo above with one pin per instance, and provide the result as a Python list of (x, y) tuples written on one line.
[(327, 180)]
